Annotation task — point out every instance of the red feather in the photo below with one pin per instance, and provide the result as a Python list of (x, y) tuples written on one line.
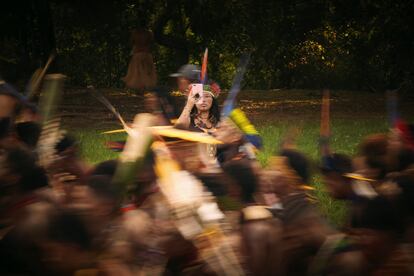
[(203, 76)]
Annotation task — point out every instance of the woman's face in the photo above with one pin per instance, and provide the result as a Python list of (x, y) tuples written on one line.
[(205, 102)]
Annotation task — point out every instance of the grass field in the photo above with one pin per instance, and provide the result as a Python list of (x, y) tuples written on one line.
[(350, 123)]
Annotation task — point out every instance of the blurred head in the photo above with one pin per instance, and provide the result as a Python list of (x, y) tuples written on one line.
[(29, 112), (67, 244), (68, 160), (8, 105), (10, 100), (214, 182), (151, 102), (186, 75), (182, 84), (6, 124), (374, 150), (104, 195), (298, 162), (337, 185), (375, 227), (18, 166), (28, 132), (333, 169), (272, 185), (107, 168), (67, 146), (404, 198), (244, 181)]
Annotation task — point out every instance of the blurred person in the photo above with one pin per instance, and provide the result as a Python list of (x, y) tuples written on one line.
[(10, 100), (10, 105), (373, 157), (68, 161), (141, 69), (158, 102), (399, 190), (401, 146), (21, 251), (17, 117), (29, 112), (67, 246), (21, 180), (186, 75), (235, 144), (376, 232), (342, 184), (334, 169), (149, 240), (310, 245), (125, 227), (104, 199), (289, 176), (26, 206), (260, 233), (28, 133)]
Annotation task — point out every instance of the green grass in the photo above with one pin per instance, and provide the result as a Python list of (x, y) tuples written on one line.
[(347, 133), (92, 144)]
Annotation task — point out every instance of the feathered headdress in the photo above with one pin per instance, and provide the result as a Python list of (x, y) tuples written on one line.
[(213, 89)]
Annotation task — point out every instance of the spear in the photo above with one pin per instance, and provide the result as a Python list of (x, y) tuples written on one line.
[(325, 127), (195, 213), (51, 96), (392, 107), (203, 75), (111, 108), (235, 88), (247, 128), (50, 133), (136, 149), (37, 77)]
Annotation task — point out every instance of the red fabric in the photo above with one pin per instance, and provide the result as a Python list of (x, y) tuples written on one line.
[(406, 133)]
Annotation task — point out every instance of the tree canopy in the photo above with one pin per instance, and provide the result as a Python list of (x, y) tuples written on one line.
[(366, 44)]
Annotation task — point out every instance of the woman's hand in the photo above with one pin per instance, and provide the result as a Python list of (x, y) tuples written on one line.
[(192, 99), (184, 120)]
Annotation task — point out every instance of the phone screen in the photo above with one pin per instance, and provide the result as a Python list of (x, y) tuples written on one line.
[(197, 89)]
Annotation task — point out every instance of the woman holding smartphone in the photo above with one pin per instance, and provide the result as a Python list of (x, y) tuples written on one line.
[(201, 112)]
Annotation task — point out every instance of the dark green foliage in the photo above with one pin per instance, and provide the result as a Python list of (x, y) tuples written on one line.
[(298, 44)]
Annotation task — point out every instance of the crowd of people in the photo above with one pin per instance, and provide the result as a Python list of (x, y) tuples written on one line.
[(177, 206)]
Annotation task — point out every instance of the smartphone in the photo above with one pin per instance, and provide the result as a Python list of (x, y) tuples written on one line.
[(197, 90)]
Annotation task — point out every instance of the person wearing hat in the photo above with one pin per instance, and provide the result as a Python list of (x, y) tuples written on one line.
[(186, 75), (10, 105), (10, 100)]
